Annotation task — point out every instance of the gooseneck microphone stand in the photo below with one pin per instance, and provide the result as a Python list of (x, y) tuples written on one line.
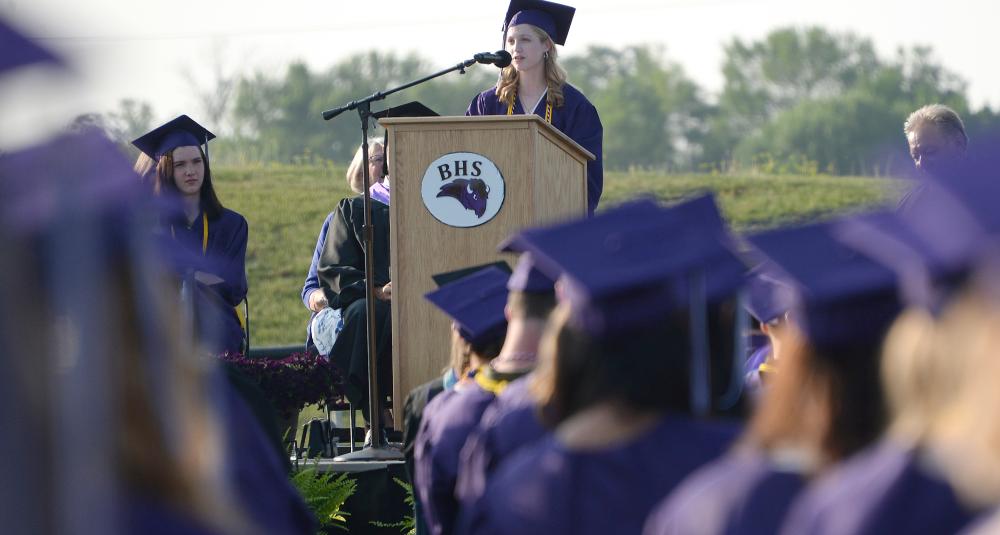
[(379, 450)]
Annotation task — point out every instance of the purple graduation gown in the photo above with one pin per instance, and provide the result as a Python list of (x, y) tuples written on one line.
[(256, 475), (887, 488), (742, 493), (547, 488), (577, 118), (509, 423), (448, 420), (225, 256)]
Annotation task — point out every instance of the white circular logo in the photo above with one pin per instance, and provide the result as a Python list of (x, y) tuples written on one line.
[(463, 189)]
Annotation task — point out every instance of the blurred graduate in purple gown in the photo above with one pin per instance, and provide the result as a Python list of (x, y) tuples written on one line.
[(475, 304), (768, 301), (139, 434), (938, 468), (511, 420), (824, 403), (619, 374), (201, 225), (530, 298), (535, 83)]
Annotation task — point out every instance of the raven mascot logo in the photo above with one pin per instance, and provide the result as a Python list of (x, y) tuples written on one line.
[(463, 189), (473, 193)]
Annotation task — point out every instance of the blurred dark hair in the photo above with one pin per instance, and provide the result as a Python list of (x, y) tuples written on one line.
[(531, 305), (830, 399), (462, 352), (646, 369)]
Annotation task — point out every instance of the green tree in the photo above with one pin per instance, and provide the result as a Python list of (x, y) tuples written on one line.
[(279, 118), (130, 120), (767, 77), (651, 111), (809, 95)]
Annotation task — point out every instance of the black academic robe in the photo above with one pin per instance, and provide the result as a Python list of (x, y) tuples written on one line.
[(341, 274)]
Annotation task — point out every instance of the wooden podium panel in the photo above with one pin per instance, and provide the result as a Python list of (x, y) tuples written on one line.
[(545, 179)]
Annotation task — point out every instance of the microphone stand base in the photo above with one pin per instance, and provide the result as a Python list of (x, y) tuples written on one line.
[(371, 453)]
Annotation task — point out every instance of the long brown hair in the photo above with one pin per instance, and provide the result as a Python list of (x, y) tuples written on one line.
[(645, 369), (831, 403), (555, 76), (165, 183)]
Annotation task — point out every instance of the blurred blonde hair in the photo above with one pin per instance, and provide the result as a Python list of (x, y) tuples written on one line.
[(555, 76), (145, 167), (965, 432), (918, 381), (355, 171)]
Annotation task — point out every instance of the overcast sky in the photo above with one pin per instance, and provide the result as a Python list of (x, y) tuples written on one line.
[(140, 49)]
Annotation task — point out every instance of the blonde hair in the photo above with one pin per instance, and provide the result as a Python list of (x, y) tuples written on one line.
[(145, 167), (555, 76), (965, 434), (355, 171), (941, 116), (918, 381)]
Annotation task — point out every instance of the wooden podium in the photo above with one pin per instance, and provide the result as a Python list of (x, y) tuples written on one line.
[(544, 177)]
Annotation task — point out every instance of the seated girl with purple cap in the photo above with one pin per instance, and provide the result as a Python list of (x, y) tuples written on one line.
[(824, 405), (535, 83), (141, 432), (203, 225), (641, 340)]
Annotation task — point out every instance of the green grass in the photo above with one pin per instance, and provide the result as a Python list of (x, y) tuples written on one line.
[(286, 205)]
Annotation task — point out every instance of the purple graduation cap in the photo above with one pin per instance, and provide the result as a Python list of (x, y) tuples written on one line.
[(526, 277), (845, 297), (476, 304), (410, 109), (948, 227), (768, 297), (182, 131), (45, 186), (555, 19), (19, 50), (629, 265)]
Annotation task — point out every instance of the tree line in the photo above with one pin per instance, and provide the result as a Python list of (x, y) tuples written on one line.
[(800, 100)]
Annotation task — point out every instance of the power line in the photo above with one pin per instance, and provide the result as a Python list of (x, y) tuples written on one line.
[(658, 6)]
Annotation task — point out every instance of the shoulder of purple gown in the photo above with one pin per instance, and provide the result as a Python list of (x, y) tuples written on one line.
[(232, 218), (485, 103), (740, 490)]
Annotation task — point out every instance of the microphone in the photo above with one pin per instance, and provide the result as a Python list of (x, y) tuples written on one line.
[(500, 58)]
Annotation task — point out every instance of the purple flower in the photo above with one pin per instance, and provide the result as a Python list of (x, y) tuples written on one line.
[(293, 382)]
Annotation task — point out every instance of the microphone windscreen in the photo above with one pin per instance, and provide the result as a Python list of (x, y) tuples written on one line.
[(504, 58)]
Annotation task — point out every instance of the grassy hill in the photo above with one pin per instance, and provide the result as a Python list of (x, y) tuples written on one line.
[(286, 205)]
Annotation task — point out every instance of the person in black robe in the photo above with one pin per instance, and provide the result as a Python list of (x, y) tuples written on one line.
[(342, 278)]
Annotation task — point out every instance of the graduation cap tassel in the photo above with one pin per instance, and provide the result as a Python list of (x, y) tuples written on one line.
[(742, 334), (700, 389)]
